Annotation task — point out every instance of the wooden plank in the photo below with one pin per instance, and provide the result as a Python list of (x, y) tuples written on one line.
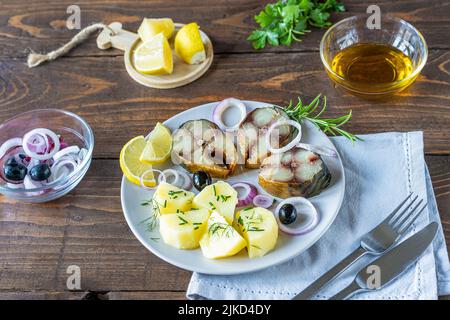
[(118, 108), (87, 228), (41, 25)]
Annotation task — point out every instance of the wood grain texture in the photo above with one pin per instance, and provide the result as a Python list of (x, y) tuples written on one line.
[(101, 91), (41, 25), (87, 228)]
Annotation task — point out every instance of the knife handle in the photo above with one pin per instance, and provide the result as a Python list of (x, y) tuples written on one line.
[(347, 292), (315, 287)]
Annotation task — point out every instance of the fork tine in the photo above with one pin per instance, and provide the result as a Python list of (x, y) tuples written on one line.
[(395, 219), (400, 222), (392, 214), (411, 221)]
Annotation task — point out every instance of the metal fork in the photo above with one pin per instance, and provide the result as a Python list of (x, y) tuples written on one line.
[(377, 241)]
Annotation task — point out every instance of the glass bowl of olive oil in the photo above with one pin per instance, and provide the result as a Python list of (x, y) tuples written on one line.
[(373, 62)]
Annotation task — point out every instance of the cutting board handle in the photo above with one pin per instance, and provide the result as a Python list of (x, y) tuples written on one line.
[(121, 39)]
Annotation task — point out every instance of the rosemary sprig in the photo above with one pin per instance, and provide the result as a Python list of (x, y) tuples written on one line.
[(313, 113)]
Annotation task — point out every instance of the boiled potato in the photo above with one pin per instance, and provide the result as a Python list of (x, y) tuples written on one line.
[(171, 199), (259, 228), (219, 197), (220, 239), (183, 230)]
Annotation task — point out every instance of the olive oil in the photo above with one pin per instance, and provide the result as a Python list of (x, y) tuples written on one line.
[(371, 68)]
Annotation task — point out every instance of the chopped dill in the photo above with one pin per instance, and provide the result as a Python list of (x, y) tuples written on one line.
[(220, 229), (183, 221), (151, 221)]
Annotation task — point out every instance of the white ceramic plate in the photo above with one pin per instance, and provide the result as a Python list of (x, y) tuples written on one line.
[(327, 203)]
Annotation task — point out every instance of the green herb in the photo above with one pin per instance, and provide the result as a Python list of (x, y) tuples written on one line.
[(224, 198), (214, 188), (154, 239), (286, 21), (220, 229), (255, 246), (255, 229), (311, 112), (183, 221), (151, 221), (212, 206), (174, 194)]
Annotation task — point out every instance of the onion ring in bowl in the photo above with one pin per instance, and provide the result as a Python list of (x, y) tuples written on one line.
[(304, 226), (59, 165), (9, 144), (291, 144), (224, 105), (43, 132), (66, 151)]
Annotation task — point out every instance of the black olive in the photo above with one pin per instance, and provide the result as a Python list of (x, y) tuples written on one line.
[(201, 179), (11, 161), (14, 171), (40, 172), (287, 214)]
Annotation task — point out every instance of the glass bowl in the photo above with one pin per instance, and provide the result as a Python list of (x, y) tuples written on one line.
[(72, 128), (394, 32)]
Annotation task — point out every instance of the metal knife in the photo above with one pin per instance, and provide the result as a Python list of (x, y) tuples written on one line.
[(390, 265)]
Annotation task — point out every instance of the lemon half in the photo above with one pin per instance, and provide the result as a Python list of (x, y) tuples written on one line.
[(189, 45)]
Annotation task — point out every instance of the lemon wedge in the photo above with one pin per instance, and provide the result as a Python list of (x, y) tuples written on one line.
[(154, 56), (151, 27), (130, 164), (158, 147), (189, 45)]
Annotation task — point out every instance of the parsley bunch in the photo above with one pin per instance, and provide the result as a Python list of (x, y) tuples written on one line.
[(287, 20)]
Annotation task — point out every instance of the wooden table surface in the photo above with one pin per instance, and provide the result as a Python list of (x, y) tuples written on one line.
[(87, 227)]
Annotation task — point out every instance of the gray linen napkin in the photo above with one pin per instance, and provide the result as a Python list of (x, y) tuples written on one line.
[(380, 172)]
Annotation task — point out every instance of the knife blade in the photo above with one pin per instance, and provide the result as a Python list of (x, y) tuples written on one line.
[(390, 265)]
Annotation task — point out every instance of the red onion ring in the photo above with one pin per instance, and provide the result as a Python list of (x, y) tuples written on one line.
[(324, 151), (263, 201), (141, 179), (29, 183), (250, 192), (187, 184), (47, 134), (66, 151), (224, 105), (167, 174), (184, 183), (306, 226), (291, 144), (9, 144), (59, 165)]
